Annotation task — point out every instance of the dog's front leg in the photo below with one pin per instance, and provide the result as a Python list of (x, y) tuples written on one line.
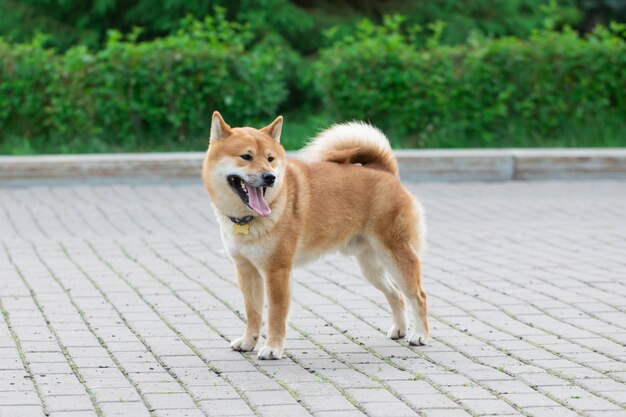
[(278, 294), (251, 285)]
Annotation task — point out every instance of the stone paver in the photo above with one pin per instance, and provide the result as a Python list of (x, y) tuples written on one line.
[(118, 300)]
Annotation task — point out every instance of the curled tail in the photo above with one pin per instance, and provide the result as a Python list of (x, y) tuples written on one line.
[(352, 143)]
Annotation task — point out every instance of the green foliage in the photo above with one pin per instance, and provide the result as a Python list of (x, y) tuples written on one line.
[(492, 17), (478, 90), (86, 22), (457, 81), (301, 23), (130, 92)]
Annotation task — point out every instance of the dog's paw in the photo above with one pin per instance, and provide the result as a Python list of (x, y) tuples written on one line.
[(243, 344), (418, 339), (268, 352), (396, 332)]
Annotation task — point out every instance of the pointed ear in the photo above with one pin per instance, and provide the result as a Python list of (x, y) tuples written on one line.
[(219, 128), (274, 128)]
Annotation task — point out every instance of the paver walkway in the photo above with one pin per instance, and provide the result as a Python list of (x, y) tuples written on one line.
[(117, 300)]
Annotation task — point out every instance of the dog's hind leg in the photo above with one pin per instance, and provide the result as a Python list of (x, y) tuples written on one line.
[(373, 271), (251, 285), (405, 266)]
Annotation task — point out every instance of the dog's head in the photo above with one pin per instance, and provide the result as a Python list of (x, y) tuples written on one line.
[(244, 167)]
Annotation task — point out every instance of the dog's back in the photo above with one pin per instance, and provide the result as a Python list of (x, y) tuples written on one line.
[(352, 169)]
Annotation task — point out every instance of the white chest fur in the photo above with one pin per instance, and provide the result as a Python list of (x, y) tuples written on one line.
[(256, 246)]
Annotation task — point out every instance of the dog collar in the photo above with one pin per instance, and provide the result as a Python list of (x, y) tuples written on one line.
[(241, 220)]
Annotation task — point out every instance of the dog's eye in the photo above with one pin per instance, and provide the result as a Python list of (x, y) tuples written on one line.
[(270, 158), (246, 156)]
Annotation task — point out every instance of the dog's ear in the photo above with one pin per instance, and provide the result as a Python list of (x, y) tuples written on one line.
[(219, 128), (274, 128)]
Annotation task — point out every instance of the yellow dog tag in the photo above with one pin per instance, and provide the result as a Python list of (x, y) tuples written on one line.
[(241, 229)]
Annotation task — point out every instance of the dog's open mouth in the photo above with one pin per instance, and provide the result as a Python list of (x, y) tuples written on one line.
[(253, 197)]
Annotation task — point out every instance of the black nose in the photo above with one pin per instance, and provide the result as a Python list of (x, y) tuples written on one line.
[(268, 178)]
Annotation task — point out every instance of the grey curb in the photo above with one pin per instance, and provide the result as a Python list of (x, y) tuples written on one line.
[(415, 165)]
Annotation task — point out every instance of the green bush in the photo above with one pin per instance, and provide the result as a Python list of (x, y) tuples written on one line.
[(553, 88), (138, 93), (26, 77), (301, 23), (493, 17), (78, 22), (479, 90)]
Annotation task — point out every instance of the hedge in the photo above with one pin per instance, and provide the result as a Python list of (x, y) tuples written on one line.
[(129, 91), (547, 81), (136, 95)]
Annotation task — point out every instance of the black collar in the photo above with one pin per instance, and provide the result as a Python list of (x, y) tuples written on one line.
[(241, 220)]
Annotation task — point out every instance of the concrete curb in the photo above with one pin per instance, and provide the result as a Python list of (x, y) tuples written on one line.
[(415, 165)]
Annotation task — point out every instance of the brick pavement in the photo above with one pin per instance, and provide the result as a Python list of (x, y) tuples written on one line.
[(117, 300)]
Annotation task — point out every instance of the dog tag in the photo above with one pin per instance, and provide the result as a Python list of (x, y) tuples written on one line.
[(241, 229)]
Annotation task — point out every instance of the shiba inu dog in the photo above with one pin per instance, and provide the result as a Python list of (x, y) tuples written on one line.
[(344, 194)]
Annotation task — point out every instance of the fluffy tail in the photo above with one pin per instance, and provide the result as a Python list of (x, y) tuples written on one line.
[(352, 143)]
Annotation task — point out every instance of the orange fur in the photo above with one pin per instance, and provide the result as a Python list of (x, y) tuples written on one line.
[(320, 204)]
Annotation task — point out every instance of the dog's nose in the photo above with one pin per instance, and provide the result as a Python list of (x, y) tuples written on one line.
[(268, 178)]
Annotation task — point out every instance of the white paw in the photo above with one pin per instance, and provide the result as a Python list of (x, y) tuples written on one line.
[(396, 332), (243, 344), (417, 339), (267, 352)]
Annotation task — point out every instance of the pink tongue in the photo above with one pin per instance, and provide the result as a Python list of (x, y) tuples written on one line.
[(256, 200)]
